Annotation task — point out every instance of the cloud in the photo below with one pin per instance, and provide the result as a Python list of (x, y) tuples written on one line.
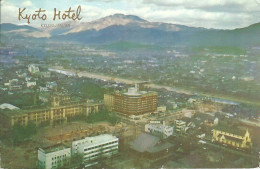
[(91, 13), (7, 9), (101, 0), (27, 4), (225, 14)]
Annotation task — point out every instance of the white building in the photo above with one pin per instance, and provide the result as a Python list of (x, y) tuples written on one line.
[(94, 148), (45, 74), (215, 121), (43, 89), (29, 84), (54, 156), (159, 129), (33, 69), (161, 109), (51, 85), (180, 126)]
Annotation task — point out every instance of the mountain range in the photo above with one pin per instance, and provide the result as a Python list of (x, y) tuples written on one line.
[(131, 28)]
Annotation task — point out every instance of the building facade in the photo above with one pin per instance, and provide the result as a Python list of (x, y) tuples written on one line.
[(159, 129), (56, 113), (109, 101), (95, 148), (54, 156), (180, 126), (233, 140), (134, 102)]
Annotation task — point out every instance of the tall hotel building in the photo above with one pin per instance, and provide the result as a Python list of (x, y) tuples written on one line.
[(133, 102)]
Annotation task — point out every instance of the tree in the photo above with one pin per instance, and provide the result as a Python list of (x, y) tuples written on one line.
[(77, 160)]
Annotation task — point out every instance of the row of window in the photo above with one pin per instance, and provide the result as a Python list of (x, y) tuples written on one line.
[(105, 153), (101, 145), (99, 150), (58, 157)]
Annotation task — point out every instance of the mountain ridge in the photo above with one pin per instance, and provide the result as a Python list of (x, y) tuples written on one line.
[(120, 27)]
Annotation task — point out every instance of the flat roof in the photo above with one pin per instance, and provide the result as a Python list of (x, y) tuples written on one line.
[(88, 141), (54, 148)]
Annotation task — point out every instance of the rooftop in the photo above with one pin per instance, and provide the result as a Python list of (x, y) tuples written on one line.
[(132, 91), (54, 148), (144, 142), (159, 126), (97, 139), (8, 106)]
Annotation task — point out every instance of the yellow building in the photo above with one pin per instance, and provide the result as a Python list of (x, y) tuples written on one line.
[(233, 140), (56, 113), (109, 101)]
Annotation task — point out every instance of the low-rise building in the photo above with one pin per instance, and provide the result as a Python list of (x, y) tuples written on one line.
[(180, 126), (45, 74), (159, 129), (95, 148), (30, 84), (211, 122), (51, 85), (33, 68), (54, 156), (44, 89), (161, 109), (233, 140), (151, 148)]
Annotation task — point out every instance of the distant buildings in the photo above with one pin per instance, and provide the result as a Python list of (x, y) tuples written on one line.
[(31, 84), (159, 129), (233, 140), (95, 148), (33, 68), (54, 156), (211, 122), (51, 85), (14, 84), (133, 102), (46, 74)]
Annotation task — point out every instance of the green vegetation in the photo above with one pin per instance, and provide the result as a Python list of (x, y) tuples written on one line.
[(76, 161), (91, 90), (103, 116), (20, 99), (19, 134)]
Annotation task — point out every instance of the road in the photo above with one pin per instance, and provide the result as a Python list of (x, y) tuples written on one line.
[(70, 72), (111, 78)]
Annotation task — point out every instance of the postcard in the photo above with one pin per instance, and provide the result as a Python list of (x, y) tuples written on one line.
[(118, 84)]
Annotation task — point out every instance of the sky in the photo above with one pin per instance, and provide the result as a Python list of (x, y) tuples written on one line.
[(220, 14)]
